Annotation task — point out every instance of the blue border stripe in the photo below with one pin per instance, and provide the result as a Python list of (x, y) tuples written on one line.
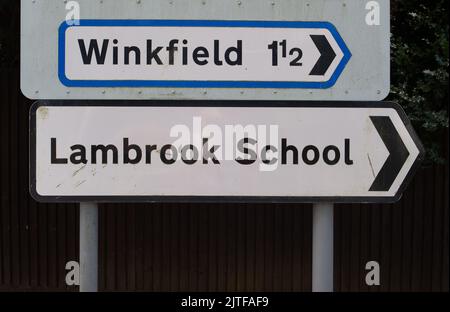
[(195, 83)]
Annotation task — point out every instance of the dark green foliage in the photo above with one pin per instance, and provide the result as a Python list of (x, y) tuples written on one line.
[(419, 60)]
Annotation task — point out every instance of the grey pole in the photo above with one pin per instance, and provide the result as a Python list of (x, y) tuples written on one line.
[(88, 247), (322, 245)]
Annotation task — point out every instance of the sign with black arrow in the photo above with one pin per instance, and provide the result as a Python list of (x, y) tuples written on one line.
[(201, 54), (203, 151), (213, 50)]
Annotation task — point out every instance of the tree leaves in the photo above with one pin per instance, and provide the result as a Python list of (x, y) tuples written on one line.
[(419, 60)]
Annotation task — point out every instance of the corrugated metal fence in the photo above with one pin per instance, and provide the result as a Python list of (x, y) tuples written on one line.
[(223, 247)]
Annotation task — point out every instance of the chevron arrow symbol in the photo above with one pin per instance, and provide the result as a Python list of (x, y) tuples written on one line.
[(398, 154), (327, 55)]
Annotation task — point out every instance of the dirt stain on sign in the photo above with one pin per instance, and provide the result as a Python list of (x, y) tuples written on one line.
[(371, 166), (77, 171), (42, 113), (79, 183)]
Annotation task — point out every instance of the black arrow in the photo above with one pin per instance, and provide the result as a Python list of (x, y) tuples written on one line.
[(327, 55), (398, 153)]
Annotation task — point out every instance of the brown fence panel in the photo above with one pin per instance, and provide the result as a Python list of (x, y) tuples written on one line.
[(408, 239), (205, 247), (36, 240)]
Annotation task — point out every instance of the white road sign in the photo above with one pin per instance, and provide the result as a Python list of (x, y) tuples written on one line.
[(280, 152), (123, 49), (236, 54)]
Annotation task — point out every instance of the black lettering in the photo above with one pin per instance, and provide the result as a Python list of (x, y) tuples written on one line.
[(163, 154), (148, 153), (243, 149), (185, 53), (171, 49), (184, 156), (93, 48), (153, 54), (326, 155), (266, 149), (137, 55), (79, 155), (115, 53), (217, 60), (198, 53), (316, 156), (126, 152), (54, 158), (285, 149), (238, 51), (104, 150), (209, 154), (348, 161)]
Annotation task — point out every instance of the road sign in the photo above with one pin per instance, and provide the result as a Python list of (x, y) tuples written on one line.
[(180, 53), (281, 151), (123, 49)]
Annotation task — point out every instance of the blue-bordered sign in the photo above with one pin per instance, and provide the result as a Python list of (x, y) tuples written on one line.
[(317, 50), (201, 54)]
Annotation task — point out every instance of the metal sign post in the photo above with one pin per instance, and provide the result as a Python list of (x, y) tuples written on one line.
[(88, 247), (322, 247)]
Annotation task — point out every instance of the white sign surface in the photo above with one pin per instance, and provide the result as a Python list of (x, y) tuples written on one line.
[(249, 50), (351, 153)]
